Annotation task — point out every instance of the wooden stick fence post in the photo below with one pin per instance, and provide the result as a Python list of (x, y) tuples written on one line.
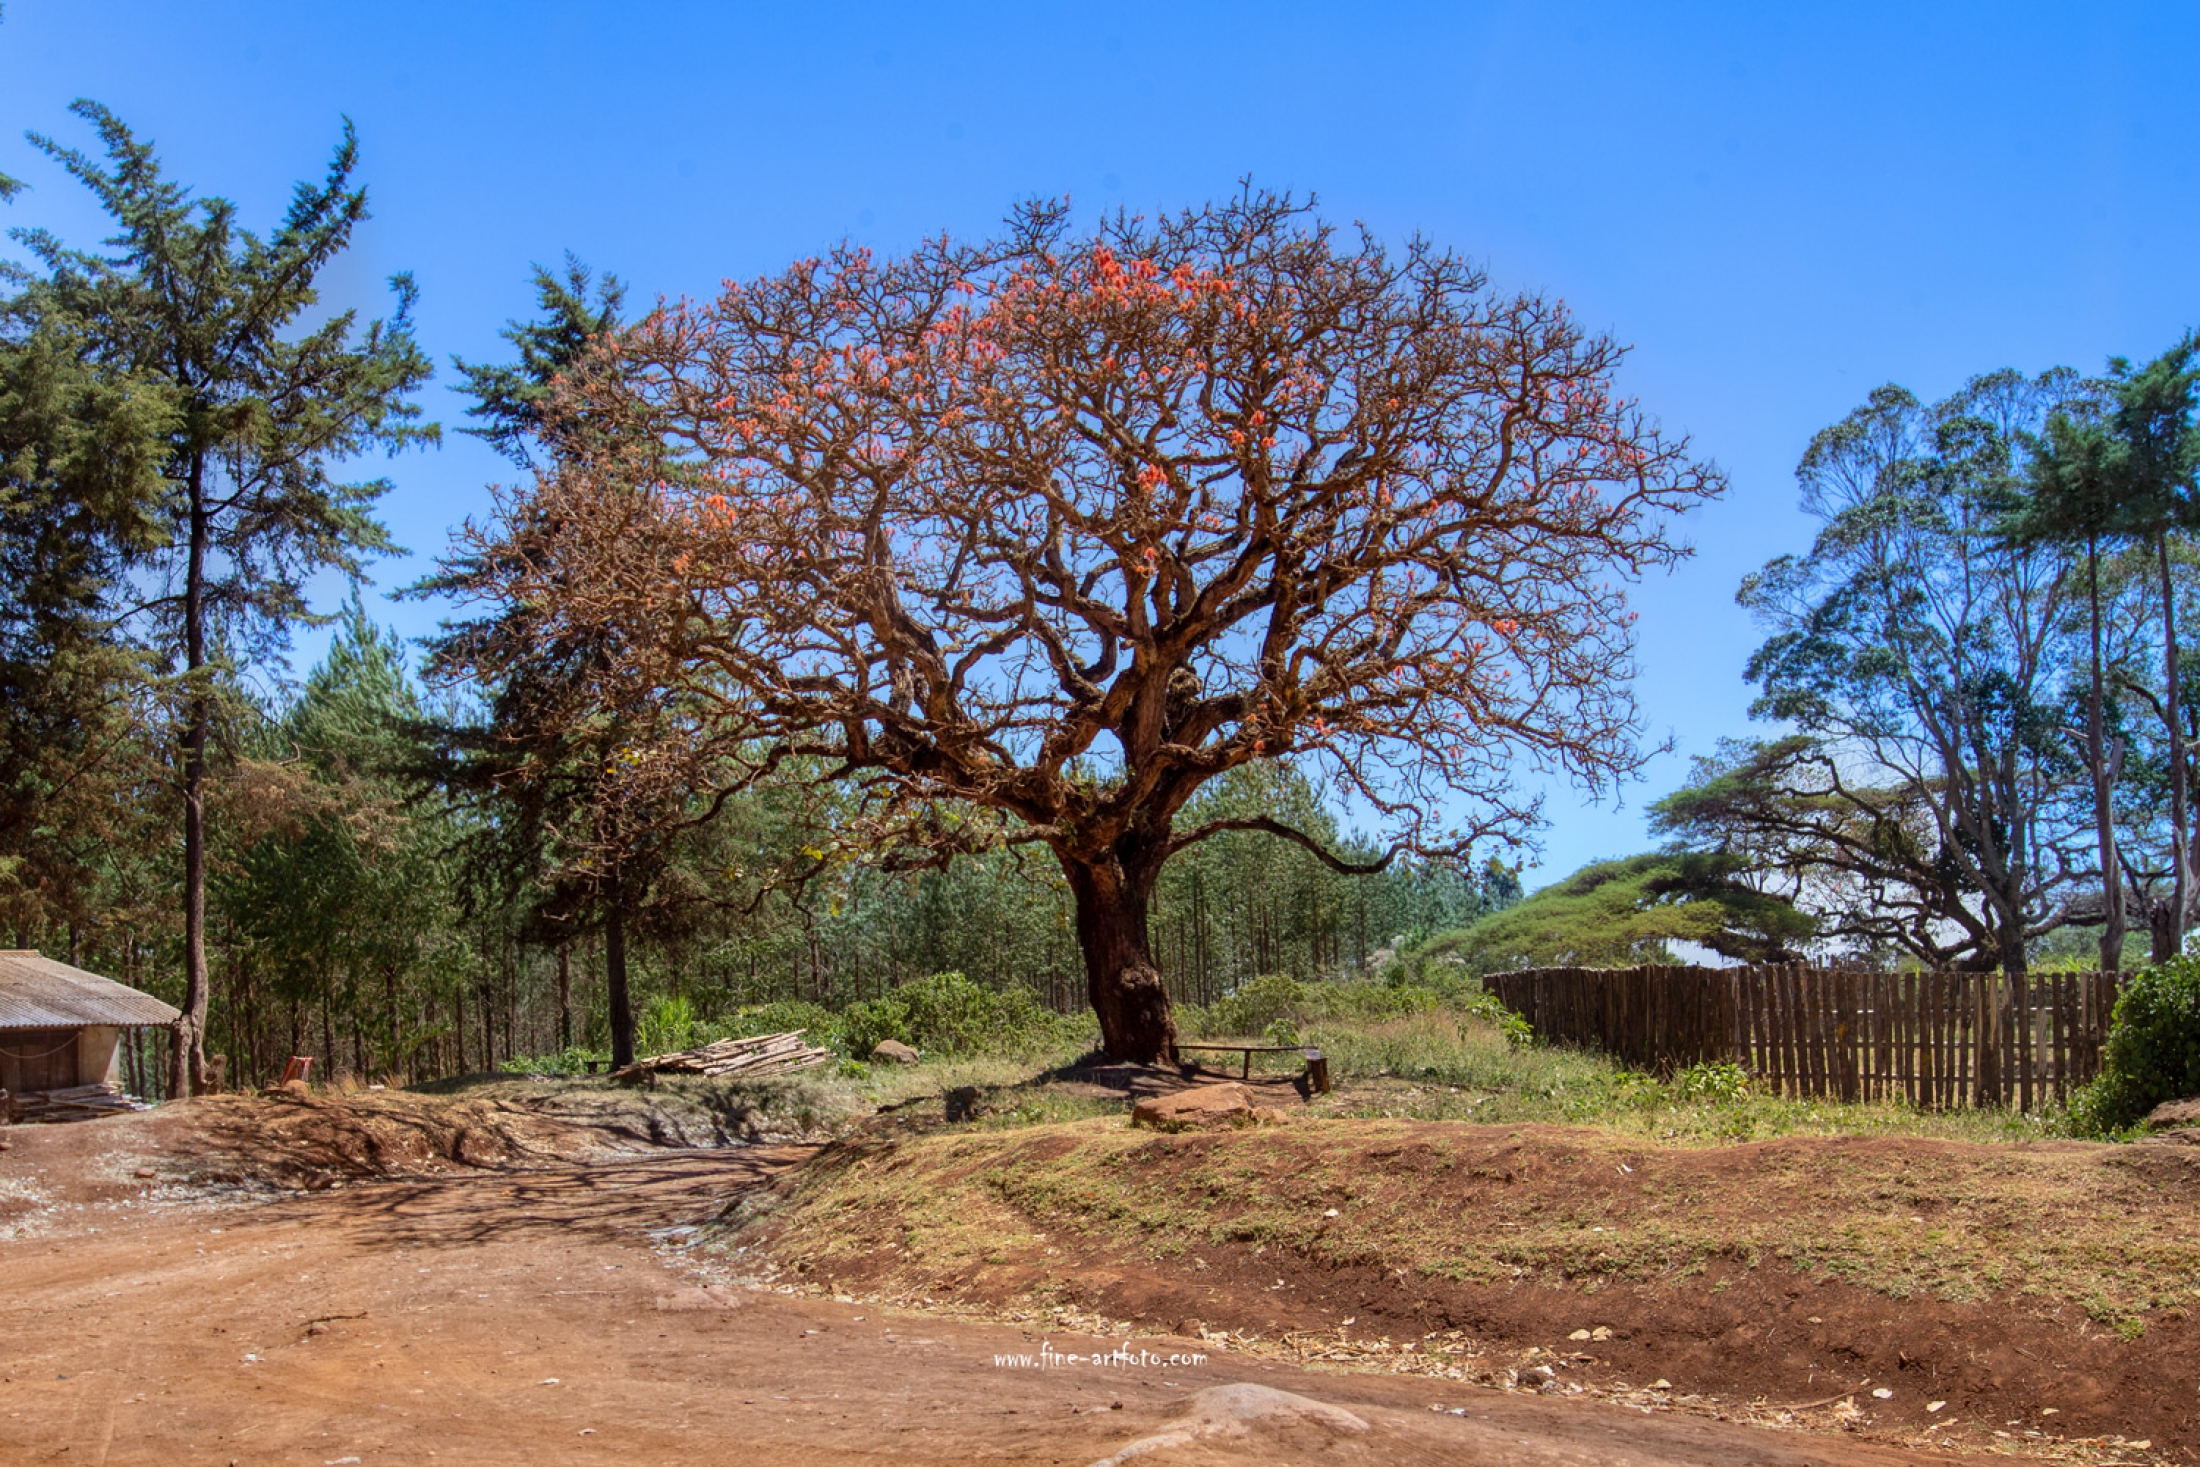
[(1930, 1039)]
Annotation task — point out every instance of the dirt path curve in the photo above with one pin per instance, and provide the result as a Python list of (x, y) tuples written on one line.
[(523, 1318)]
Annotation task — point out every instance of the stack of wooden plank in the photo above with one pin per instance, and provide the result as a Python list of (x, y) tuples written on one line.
[(79, 1103), (762, 1054)]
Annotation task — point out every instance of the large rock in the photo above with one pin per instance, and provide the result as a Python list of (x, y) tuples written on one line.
[(1203, 1105), (895, 1050), (2171, 1114)]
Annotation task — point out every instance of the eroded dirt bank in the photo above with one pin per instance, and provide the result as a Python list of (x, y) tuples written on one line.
[(2031, 1297), (538, 1311)]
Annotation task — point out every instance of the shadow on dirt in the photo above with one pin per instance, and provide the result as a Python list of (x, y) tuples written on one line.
[(613, 1201)]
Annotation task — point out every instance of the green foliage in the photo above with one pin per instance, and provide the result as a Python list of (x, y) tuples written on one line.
[(2153, 1049), (1925, 651), (266, 397), (820, 1025), (948, 1015), (1487, 1008), (1278, 1009), (1618, 913), (572, 1061), (666, 1026), (509, 396), (1257, 1004), (1244, 903), (1721, 1082)]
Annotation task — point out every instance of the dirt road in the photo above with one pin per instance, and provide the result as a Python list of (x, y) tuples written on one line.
[(524, 1317)]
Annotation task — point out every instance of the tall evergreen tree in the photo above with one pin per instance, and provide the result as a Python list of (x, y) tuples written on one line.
[(550, 762), (2118, 468), (266, 402), (510, 397), (2071, 500), (2148, 448)]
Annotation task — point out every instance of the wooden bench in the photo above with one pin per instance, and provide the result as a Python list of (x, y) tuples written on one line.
[(1317, 1065)]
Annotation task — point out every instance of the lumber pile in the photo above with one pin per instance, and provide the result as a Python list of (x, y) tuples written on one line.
[(79, 1103), (762, 1054)]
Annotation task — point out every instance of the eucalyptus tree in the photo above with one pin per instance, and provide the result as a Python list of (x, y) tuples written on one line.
[(2072, 498), (2144, 449), (1923, 647), (268, 396)]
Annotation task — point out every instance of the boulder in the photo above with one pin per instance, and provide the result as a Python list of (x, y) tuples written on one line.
[(2171, 1114), (895, 1050), (1228, 1104)]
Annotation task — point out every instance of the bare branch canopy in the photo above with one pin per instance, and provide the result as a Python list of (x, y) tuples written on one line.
[(1054, 529)]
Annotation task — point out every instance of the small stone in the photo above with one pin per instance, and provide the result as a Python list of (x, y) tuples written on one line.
[(1331, 1213), (2050, 1411), (146, 1173), (1601, 1332), (895, 1051), (1579, 1334), (1882, 1393), (1661, 1384), (1539, 1375), (1934, 1405)]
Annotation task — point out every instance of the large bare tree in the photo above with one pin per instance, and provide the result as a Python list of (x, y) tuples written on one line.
[(1026, 541)]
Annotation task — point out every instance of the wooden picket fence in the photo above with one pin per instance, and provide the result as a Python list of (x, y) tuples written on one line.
[(1936, 1040)]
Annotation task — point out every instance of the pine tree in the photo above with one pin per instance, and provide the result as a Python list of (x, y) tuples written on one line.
[(544, 767), (266, 402), (79, 480)]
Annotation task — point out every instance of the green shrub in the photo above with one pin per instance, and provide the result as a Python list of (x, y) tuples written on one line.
[(819, 1025), (1273, 1003), (1485, 1006), (667, 1026), (2153, 1049), (1722, 1083), (573, 1061), (1371, 1002), (1257, 1003), (950, 1016), (864, 1025)]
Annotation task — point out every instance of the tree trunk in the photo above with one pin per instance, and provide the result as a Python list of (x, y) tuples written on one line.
[(565, 997), (2104, 810), (1120, 977), (188, 1063), (615, 994), (2181, 859)]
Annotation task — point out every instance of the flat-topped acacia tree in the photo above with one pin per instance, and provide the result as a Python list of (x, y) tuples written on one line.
[(1025, 541)]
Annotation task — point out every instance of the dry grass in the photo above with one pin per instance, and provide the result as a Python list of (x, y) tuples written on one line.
[(2114, 1230)]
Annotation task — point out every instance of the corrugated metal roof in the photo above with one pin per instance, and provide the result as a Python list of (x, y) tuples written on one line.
[(38, 993)]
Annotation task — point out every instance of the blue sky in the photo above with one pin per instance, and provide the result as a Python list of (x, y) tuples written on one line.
[(1779, 207)]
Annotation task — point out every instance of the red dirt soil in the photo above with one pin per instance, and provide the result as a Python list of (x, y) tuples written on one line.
[(1750, 1339), (522, 1316)]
